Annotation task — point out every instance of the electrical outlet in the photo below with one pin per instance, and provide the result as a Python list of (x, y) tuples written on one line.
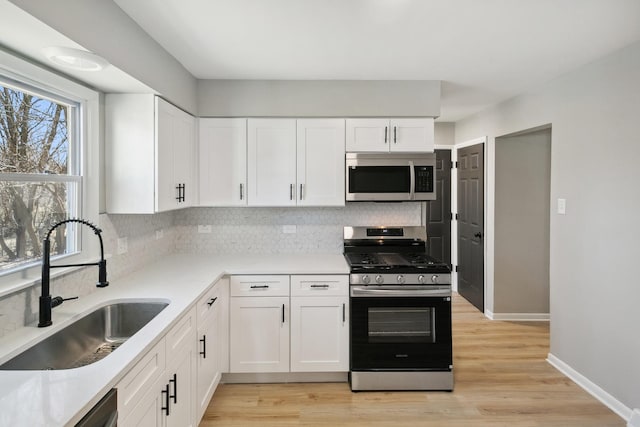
[(122, 245), (204, 229), (289, 229), (159, 234)]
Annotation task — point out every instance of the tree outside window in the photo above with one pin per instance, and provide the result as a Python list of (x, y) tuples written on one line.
[(39, 180)]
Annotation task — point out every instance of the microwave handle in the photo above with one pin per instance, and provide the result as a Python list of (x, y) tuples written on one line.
[(412, 183)]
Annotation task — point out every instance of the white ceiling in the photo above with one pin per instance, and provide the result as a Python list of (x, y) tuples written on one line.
[(483, 51)]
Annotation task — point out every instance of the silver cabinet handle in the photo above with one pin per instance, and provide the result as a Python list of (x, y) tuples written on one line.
[(320, 286), (301, 192), (395, 136), (344, 314), (241, 191), (385, 133), (290, 191), (259, 286)]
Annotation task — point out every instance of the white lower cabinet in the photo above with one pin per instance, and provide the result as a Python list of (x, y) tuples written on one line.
[(159, 390), (212, 343), (319, 324), (275, 329), (259, 324)]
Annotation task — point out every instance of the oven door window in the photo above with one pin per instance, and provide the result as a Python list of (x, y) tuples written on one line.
[(401, 325), (379, 179)]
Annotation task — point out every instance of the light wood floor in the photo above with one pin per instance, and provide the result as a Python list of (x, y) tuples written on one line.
[(501, 379)]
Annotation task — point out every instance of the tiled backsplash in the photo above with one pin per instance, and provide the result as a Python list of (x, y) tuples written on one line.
[(21, 308), (261, 230), (233, 230)]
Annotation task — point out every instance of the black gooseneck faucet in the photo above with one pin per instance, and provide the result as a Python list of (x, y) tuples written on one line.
[(46, 302)]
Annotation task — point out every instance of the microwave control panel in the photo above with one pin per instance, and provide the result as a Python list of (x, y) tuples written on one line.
[(424, 179)]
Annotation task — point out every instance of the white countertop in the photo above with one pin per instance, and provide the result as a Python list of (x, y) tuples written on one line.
[(61, 397)]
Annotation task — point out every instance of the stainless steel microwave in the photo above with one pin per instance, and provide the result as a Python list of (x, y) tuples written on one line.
[(390, 177)]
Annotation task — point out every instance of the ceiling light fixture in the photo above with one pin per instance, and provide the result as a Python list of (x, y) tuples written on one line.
[(75, 59)]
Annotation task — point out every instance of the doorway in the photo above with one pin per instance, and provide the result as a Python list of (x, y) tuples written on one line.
[(521, 225)]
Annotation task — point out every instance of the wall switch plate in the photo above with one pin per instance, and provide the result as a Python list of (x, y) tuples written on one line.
[(122, 245), (562, 206), (289, 229), (159, 234), (204, 229)]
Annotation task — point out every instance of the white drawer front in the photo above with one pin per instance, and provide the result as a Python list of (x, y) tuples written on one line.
[(273, 286), (206, 302), (320, 285)]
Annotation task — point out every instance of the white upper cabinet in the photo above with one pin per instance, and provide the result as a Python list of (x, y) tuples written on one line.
[(222, 154), (390, 135), (149, 154), (320, 162), (295, 162), (271, 162)]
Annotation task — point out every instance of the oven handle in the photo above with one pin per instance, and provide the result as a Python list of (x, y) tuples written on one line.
[(412, 177), (400, 291)]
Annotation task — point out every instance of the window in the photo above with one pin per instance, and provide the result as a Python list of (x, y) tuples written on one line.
[(39, 174), (49, 166)]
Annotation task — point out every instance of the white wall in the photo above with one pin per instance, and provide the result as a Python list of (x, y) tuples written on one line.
[(594, 282), (318, 98), (103, 28)]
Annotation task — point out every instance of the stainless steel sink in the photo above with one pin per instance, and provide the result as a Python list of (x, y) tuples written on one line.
[(88, 339)]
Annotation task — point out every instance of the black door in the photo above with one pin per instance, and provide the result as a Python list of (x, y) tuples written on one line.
[(438, 212), (471, 224)]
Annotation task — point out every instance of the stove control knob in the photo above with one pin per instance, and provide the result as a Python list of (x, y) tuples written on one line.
[(434, 279), (401, 279), (421, 279), (379, 279), (366, 279)]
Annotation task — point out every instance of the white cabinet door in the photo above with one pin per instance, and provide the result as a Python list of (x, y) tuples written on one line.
[(184, 159), (181, 376), (319, 323), (259, 334), (367, 135), (175, 133), (395, 135), (208, 357), (320, 162), (412, 135), (148, 153), (223, 162), (150, 411), (271, 162)]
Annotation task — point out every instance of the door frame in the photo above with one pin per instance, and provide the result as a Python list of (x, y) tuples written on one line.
[(488, 240)]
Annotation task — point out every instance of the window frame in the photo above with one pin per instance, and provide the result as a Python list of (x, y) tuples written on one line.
[(87, 131)]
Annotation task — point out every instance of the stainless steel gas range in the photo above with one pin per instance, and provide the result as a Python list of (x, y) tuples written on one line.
[(400, 311)]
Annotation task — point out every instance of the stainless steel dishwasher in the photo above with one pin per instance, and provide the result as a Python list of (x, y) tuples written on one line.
[(104, 414)]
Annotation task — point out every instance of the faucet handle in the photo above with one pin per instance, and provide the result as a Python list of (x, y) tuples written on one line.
[(56, 301)]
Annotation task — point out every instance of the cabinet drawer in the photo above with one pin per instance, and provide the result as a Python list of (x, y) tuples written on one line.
[(181, 336), (206, 303), (320, 285), (140, 379), (273, 286)]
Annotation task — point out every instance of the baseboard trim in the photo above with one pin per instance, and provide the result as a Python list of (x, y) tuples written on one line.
[(592, 388), (285, 377), (518, 317)]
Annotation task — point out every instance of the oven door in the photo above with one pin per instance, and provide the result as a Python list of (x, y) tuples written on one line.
[(400, 333)]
